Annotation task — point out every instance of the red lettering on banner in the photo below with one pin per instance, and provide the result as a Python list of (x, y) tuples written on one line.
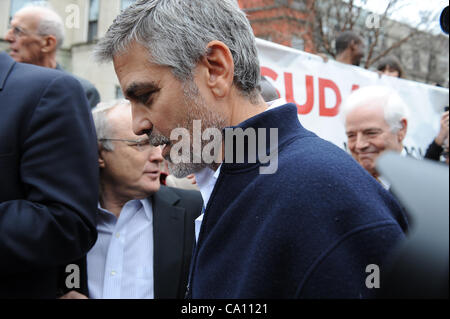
[(309, 80), (323, 110), (265, 71)]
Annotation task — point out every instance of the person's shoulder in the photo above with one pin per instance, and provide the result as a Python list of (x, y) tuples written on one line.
[(41, 76), (313, 150), (191, 200), (185, 194), (86, 84)]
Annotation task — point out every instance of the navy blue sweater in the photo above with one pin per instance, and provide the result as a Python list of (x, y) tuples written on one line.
[(307, 231)]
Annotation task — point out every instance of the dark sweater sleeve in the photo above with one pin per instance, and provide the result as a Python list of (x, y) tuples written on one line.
[(433, 151)]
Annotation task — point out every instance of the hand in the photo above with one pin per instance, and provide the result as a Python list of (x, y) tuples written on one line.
[(192, 178), (323, 56), (73, 295), (443, 132)]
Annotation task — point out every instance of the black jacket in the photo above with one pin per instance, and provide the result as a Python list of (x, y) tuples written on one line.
[(48, 177), (174, 213)]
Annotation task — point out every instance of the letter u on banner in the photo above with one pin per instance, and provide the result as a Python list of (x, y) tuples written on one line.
[(309, 89)]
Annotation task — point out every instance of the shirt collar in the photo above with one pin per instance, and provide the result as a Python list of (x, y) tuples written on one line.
[(136, 203), (206, 180)]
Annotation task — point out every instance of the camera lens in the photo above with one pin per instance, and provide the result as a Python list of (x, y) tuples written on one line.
[(444, 20)]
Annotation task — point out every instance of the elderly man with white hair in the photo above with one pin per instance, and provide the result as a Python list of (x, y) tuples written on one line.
[(35, 34), (375, 121)]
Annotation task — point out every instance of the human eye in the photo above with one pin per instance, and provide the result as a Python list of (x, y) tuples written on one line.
[(144, 142), (145, 98), (372, 132)]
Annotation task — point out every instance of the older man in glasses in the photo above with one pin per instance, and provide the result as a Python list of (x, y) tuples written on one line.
[(35, 34), (146, 231)]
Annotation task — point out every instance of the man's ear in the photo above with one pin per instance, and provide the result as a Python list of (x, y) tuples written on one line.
[(402, 132), (219, 68), (49, 43), (101, 160)]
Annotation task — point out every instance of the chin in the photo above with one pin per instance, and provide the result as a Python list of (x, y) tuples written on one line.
[(182, 170)]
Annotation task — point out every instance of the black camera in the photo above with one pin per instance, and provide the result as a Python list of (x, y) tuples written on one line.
[(444, 20)]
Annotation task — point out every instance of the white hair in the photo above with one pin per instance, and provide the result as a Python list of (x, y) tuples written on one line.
[(394, 107), (50, 22), (103, 127)]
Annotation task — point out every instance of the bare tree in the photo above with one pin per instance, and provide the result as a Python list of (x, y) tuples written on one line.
[(336, 16)]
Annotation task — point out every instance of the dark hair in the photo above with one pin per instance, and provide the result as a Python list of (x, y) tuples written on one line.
[(392, 63), (344, 40)]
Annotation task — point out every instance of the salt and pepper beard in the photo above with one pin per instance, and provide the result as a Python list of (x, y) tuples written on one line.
[(197, 110)]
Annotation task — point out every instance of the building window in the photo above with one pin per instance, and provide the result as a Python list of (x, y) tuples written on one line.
[(16, 5), (93, 20), (127, 3)]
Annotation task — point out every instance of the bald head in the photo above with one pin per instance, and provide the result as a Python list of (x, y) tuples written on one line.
[(45, 20), (35, 35)]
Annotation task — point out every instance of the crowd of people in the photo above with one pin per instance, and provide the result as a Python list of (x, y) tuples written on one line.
[(93, 184)]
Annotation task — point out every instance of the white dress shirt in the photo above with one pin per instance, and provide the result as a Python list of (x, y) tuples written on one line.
[(206, 180), (120, 265)]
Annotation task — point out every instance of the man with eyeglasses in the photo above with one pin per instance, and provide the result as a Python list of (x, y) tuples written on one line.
[(146, 231), (35, 35)]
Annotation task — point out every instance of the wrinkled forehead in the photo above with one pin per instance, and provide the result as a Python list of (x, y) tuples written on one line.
[(369, 114), (27, 19)]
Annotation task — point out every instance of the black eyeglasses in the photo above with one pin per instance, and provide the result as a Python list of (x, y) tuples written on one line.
[(141, 145)]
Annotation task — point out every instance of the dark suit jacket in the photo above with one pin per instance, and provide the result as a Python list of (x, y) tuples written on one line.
[(48, 177), (174, 213)]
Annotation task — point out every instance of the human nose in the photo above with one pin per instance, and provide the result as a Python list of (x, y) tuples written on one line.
[(9, 36), (140, 123), (361, 142), (155, 155)]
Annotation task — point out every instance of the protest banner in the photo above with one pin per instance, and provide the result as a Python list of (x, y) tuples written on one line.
[(318, 88)]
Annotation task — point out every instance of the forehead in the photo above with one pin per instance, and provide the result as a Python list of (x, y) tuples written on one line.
[(368, 116), (27, 19), (134, 66), (120, 120)]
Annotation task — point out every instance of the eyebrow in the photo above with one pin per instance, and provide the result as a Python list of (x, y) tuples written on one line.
[(134, 90)]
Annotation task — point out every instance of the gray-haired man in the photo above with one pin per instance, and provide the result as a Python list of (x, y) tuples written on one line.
[(35, 35), (303, 230)]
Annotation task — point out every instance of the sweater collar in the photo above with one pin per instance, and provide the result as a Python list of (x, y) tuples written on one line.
[(269, 130)]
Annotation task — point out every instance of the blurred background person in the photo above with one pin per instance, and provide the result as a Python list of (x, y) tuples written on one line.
[(375, 121), (349, 48), (437, 147), (35, 34), (391, 66)]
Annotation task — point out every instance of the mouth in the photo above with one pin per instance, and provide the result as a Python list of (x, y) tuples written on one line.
[(153, 174)]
